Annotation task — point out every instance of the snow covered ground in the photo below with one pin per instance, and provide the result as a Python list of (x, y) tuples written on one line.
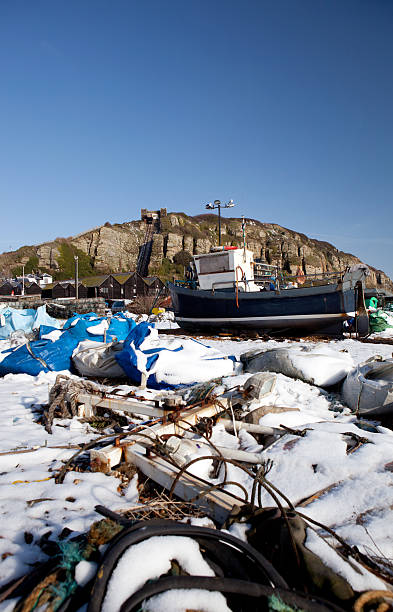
[(30, 501), (358, 502)]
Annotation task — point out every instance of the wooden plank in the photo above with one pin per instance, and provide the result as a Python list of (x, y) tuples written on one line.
[(85, 410), (216, 504), (187, 418), (129, 406), (311, 498), (103, 459)]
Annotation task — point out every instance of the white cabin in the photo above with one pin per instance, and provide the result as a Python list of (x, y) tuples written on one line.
[(226, 268)]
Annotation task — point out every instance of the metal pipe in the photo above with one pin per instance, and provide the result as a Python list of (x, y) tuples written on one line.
[(219, 224), (240, 455), (244, 237), (251, 427), (76, 276)]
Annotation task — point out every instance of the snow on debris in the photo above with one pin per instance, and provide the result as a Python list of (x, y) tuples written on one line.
[(327, 473), (159, 551), (186, 599), (30, 501)]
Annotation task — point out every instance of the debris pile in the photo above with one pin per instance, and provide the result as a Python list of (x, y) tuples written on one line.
[(259, 473)]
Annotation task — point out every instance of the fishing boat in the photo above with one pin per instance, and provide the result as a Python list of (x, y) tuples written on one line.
[(230, 291)]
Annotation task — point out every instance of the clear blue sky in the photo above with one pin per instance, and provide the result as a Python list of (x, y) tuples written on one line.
[(283, 105)]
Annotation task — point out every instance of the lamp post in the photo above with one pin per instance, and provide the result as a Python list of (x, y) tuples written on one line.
[(23, 279), (217, 204), (76, 276)]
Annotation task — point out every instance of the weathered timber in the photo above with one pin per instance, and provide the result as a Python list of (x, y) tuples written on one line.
[(130, 406), (215, 503), (105, 458)]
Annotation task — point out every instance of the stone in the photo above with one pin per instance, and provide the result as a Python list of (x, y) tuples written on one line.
[(174, 245)]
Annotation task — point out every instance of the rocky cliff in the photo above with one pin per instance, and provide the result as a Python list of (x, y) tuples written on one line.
[(116, 248)]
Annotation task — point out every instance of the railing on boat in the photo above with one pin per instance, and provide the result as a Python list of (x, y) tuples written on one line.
[(266, 273), (312, 280), (270, 277)]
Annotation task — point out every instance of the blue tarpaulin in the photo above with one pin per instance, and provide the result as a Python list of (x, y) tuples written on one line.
[(13, 319), (169, 364), (130, 357), (164, 363), (40, 356), (82, 327), (44, 355)]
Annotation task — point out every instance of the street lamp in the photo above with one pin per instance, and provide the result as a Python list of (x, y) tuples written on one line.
[(217, 204), (76, 276)]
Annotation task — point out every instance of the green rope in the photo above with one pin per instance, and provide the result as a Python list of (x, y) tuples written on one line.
[(38, 598), (276, 604), (71, 555)]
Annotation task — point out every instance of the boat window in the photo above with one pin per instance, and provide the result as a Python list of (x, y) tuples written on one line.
[(215, 263)]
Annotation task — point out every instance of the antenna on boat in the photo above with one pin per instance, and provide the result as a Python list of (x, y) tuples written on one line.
[(244, 237)]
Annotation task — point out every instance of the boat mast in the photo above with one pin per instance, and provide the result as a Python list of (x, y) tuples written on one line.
[(244, 237)]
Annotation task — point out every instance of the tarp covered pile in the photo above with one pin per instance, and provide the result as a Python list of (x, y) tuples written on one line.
[(380, 319), (170, 363), (54, 348), (13, 319), (113, 348)]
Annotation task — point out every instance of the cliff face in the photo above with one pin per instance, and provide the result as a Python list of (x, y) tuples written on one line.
[(112, 248), (116, 247)]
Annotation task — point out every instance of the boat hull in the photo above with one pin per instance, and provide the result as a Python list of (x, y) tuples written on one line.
[(312, 309)]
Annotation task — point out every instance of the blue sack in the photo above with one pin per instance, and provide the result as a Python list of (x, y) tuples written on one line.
[(166, 367), (128, 357), (119, 327), (89, 317), (79, 330)]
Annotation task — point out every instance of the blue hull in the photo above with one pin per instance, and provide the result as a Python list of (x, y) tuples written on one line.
[(311, 309)]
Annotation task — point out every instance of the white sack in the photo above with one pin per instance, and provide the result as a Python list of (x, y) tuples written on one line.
[(368, 388), (320, 366), (97, 359)]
